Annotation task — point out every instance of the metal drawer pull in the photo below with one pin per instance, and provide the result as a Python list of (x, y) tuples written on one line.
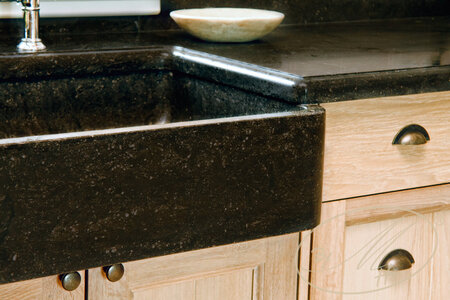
[(411, 135), (70, 281), (396, 260), (114, 272)]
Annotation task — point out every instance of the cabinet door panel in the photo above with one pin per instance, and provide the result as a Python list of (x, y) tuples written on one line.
[(367, 244), (181, 291), (229, 286), (356, 234), (440, 285), (250, 270)]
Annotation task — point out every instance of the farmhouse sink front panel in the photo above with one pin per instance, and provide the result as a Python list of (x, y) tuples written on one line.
[(109, 166)]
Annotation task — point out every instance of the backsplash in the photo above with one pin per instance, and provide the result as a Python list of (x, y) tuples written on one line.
[(297, 12)]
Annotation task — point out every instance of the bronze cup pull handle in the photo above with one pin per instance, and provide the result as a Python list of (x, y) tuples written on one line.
[(411, 135), (397, 260)]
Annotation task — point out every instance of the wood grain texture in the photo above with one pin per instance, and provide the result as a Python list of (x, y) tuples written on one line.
[(370, 228), (253, 270), (181, 291), (393, 205), (280, 268), (327, 253), (360, 158), (304, 265), (228, 286), (440, 283), (367, 244), (41, 289)]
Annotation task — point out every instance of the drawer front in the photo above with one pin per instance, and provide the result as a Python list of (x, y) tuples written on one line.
[(360, 158), (367, 246), (357, 235)]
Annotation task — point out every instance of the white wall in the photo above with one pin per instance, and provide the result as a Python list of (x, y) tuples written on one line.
[(85, 8)]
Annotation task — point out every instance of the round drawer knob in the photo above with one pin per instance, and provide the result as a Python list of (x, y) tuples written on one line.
[(114, 272), (397, 260), (411, 135), (70, 281)]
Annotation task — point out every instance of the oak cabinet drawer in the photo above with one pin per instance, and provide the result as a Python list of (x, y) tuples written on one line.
[(360, 158), (356, 237), (409, 240)]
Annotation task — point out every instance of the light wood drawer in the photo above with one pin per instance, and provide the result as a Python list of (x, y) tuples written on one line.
[(356, 234), (360, 158)]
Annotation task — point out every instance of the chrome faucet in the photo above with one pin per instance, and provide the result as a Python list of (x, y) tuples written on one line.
[(31, 41)]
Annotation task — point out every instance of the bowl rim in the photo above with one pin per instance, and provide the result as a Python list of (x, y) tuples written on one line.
[(265, 14)]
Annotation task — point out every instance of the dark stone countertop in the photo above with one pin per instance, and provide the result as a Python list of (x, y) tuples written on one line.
[(339, 61)]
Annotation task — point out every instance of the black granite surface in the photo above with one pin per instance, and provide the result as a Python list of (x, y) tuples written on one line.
[(70, 204), (217, 157), (390, 57), (169, 86)]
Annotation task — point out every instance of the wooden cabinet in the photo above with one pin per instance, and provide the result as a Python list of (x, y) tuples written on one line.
[(379, 197), (356, 234), (260, 269)]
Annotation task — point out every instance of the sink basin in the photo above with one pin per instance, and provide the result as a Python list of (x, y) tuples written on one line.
[(157, 151)]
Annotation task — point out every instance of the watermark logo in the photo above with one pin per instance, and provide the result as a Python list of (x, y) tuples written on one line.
[(370, 256)]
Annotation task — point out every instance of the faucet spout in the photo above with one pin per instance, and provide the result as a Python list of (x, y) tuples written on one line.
[(31, 41)]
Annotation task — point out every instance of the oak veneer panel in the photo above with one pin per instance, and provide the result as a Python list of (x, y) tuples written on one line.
[(304, 265), (40, 289), (396, 204), (360, 158), (440, 284), (262, 268), (327, 253), (367, 244), (280, 268), (228, 286), (377, 224), (180, 291)]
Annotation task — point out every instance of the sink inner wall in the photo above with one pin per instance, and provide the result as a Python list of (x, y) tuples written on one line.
[(100, 102)]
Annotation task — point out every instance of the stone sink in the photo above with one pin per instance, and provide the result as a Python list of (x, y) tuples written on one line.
[(119, 155)]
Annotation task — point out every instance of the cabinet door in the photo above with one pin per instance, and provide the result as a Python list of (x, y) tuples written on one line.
[(356, 234), (252, 270), (47, 288), (367, 244)]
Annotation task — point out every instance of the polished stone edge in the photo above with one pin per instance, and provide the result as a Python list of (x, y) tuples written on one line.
[(248, 77), (334, 88)]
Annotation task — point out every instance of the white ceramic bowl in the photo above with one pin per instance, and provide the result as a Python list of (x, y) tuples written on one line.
[(227, 24)]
